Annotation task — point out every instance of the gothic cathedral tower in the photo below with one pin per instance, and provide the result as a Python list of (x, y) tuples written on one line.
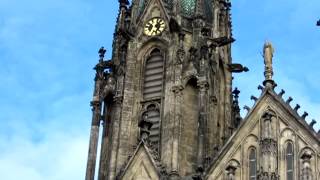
[(164, 102)]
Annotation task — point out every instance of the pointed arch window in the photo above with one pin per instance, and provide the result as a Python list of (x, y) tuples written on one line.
[(152, 92), (252, 164), (289, 161)]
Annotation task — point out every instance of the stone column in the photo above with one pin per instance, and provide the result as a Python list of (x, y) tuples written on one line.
[(96, 114), (94, 137), (115, 137)]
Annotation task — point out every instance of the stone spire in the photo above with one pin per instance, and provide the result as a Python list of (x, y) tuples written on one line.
[(268, 51)]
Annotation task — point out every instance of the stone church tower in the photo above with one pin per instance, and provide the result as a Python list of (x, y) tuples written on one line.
[(166, 107)]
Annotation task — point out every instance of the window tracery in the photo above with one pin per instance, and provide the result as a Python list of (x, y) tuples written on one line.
[(252, 164), (289, 161)]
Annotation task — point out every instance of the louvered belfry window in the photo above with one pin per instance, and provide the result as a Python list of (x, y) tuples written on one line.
[(153, 76), (152, 92)]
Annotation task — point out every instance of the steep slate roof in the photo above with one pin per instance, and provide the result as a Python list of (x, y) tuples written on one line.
[(276, 98)]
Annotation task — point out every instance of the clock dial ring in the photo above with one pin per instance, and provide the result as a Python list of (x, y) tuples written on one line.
[(154, 26)]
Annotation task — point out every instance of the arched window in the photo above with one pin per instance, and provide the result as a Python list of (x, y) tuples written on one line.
[(289, 161), (153, 75), (252, 164)]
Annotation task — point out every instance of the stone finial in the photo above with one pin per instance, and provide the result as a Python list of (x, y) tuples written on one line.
[(236, 93), (268, 51), (304, 115), (289, 100), (247, 108), (255, 99), (296, 108), (282, 92), (260, 87), (312, 123), (102, 51)]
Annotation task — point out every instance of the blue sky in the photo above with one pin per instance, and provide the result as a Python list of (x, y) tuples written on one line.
[(48, 49)]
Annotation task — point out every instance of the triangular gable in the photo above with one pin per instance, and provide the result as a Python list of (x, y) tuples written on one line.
[(151, 10), (141, 166), (249, 131)]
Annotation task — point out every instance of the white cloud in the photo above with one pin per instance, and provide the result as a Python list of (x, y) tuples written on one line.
[(59, 156)]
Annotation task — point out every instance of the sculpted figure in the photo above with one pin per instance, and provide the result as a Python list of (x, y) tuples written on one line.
[(268, 54)]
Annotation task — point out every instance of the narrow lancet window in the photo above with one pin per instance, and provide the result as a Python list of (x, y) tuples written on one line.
[(252, 164), (289, 161)]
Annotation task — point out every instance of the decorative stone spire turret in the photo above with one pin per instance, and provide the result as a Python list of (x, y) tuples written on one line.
[(96, 113), (235, 108)]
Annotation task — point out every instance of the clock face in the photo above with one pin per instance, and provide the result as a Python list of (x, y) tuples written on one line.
[(154, 26)]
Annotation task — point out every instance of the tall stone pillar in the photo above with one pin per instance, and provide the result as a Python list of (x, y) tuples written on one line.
[(96, 114), (94, 137)]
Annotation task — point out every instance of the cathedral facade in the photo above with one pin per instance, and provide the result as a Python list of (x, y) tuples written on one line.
[(167, 110)]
